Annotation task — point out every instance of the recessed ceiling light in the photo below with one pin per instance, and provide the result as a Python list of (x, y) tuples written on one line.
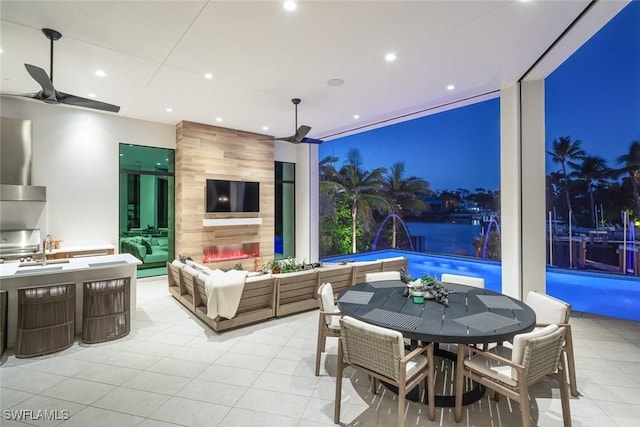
[(356, 116), (100, 73), (208, 76), (335, 82), (451, 87), (92, 95), (290, 5), (390, 57), (121, 154), (169, 110), (158, 164), (218, 119), (1, 50), (265, 127)]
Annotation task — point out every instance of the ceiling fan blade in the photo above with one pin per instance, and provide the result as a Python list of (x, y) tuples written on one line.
[(311, 141), (78, 101), (34, 95), (301, 133), (40, 76)]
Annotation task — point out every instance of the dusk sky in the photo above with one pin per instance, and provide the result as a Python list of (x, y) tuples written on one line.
[(594, 97)]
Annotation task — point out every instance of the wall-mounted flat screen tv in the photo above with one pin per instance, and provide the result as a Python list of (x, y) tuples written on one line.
[(232, 196)]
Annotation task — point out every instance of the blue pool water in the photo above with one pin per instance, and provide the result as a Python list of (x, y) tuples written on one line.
[(602, 294)]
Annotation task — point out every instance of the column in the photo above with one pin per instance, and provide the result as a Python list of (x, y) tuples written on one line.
[(307, 191), (522, 175)]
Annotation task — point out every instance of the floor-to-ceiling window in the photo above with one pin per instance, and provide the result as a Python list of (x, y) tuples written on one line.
[(430, 184), (147, 206), (592, 113), (285, 225)]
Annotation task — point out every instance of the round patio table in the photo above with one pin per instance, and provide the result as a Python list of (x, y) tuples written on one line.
[(473, 316)]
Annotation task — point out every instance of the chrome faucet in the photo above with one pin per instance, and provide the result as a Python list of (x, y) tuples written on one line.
[(44, 248)]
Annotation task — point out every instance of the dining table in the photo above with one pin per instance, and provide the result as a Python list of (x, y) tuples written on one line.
[(471, 315)]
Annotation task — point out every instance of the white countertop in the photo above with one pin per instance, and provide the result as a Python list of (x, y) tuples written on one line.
[(10, 269)]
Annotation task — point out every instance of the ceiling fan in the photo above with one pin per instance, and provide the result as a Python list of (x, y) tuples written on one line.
[(301, 132), (49, 94)]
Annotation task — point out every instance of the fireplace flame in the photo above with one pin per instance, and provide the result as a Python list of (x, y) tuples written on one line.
[(228, 252)]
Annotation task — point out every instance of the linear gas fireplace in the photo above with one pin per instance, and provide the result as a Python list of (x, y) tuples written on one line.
[(229, 252)]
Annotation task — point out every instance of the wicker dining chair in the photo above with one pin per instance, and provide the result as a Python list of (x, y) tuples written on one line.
[(510, 372), (328, 320), (550, 310), (476, 282), (383, 275), (380, 353)]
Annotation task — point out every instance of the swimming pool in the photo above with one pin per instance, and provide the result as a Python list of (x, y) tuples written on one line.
[(603, 294)]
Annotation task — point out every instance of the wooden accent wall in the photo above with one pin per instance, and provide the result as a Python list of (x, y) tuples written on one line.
[(210, 152)]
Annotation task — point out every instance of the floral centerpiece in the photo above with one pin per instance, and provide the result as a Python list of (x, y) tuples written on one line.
[(436, 289), (427, 285)]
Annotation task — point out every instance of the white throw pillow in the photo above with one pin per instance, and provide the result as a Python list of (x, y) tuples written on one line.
[(202, 268), (192, 271)]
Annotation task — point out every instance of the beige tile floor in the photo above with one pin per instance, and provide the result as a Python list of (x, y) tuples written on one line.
[(173, 370)]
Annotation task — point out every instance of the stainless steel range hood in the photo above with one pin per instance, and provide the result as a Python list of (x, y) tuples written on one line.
[(15, 169)]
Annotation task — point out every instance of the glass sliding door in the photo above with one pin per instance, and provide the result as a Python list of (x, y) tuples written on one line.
[(147, 206), (285, 224)]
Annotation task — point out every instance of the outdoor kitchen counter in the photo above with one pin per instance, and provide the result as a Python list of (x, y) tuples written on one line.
[(76, 270)]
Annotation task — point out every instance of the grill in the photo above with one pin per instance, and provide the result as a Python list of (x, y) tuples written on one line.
[(19, 244)]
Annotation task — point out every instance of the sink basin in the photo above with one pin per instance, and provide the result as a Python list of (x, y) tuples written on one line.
[(104, 264), (49, 262), (40, 269)]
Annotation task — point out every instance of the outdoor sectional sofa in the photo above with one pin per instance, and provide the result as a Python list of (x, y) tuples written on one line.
[(270, 295)]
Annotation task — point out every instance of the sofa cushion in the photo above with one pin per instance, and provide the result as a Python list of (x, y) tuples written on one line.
[(201, 268), (147, 246), (158, 255)]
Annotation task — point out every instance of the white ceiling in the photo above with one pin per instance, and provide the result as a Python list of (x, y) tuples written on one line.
[(155, 55)]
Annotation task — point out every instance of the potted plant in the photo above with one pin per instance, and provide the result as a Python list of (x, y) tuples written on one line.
[(419, 288), (436, 289), (273, 266)]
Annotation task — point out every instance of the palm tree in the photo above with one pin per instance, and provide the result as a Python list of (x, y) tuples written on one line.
[(328, 173), (591, 170), (566, 152), (404, 195), (631, 162), (363, 191)]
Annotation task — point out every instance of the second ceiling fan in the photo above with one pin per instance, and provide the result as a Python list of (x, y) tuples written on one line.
[(301, 132)]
